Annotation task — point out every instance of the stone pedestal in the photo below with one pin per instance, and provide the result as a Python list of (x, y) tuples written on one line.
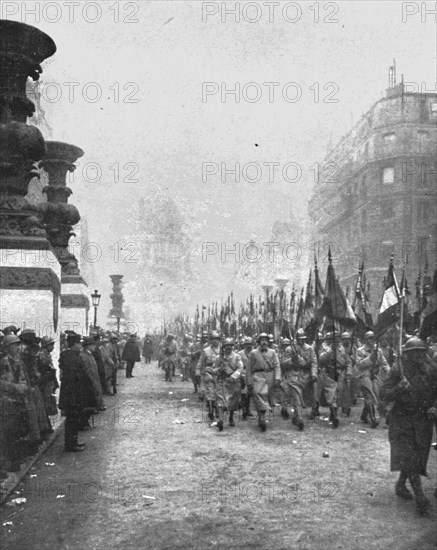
[(59, 218), (29, 270)]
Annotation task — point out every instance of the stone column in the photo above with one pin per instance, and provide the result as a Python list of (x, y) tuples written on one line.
[(117, 299), (59, 217), (29, 270)]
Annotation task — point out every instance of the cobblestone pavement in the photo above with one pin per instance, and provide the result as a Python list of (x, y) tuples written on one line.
[(155, 475)]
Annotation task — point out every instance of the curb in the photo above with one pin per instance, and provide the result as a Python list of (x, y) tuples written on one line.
[(14, 478)]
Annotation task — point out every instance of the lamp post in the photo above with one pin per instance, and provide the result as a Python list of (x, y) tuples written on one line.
[(267, 289), (96, 300), (281, 282)]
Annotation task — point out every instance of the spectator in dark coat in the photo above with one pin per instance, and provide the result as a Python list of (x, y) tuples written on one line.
[(148, 348), (131, 354), (411, 419), (74, 392)]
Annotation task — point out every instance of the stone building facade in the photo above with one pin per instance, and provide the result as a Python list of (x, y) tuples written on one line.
[(377, 191)]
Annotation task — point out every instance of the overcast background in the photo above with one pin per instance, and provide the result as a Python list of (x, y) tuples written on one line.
[(170, 132)]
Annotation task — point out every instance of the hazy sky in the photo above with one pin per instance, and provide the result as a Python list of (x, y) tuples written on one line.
[(172, 130)]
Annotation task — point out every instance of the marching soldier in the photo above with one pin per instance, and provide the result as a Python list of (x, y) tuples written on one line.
[(411, 419), (285, 364), (184, 353), (335, 373), (227, 371), (195, 352), (263, 376), (351, 349), (301, 377), (245, 397), (205, 371), (372, 371)]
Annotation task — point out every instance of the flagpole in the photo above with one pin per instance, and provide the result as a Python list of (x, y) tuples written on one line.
[(401, 322)]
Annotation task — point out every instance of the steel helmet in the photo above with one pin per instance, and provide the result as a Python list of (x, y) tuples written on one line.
[(414, 343), (228, 342), (346, 336), (10, 339), (248, 341), (286, 342), (262, 335), (301, 333)]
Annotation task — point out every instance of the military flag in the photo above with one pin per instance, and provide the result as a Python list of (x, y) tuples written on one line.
[(389, 307), (335, 306)]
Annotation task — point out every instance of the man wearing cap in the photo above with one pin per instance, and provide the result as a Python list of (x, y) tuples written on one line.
[(14, 393), (245, 397), (263, 376), (90, 367), (227, 371), (205, 368), (372, 371), (413, 390), (335, 373), (48, 383), (301, 377), (131, 354)]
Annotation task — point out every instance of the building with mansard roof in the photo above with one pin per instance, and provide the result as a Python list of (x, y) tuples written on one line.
[(377, 190)]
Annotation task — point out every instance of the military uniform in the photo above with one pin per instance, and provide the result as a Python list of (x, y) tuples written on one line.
[(299, 379), (411, 419), (245, 397), (205, 371), (335, 373), (262, 372), (227, 371), (371, 376)]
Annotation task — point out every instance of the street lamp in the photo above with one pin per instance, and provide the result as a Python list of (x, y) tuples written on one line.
[(281, 282), (267, 289), (96, 300)]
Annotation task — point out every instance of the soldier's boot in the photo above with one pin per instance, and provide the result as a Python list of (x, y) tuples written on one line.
[(315, 411), (422, 503), (209, 409), (284, 413), (365, 414), (220, 419), (231, 418), (347, 411), (262, 421), (373, 422), (335, 421), (196, 389), (245, 402), (401, 489)]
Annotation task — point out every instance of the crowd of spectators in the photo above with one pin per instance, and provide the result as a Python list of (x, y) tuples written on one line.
[(30, 403)]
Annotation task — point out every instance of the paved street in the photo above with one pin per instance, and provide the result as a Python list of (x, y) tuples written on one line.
[(148, 481)]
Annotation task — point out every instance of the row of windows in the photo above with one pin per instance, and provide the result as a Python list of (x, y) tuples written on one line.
[(424, 213), (422, 141)]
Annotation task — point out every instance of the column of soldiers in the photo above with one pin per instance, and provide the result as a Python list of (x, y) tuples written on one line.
[(332, 372), (28, 384)]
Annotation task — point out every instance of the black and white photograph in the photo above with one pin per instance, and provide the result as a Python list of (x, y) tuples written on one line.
[(218, 275)]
